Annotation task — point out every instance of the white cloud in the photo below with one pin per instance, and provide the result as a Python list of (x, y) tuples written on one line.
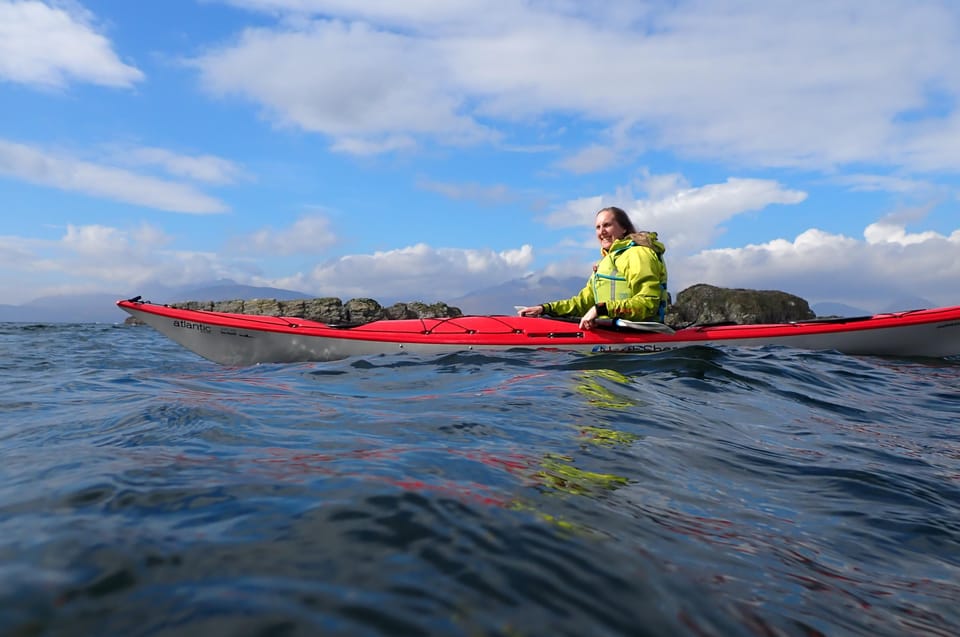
[(887, 232), (204, 168), (590, 159), (414, 273), (774, 83), (48, 46), (816, 265), (367, 147), (87, 258), (94, 241), (369, 90), (569, 268), (71, 174), (15, 252), (821, 266), (578, 213), (690, 216), (885, 183), (416, 14), (136, 259), (307, 235)]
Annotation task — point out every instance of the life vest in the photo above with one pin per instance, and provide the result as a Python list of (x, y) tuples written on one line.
[(609, 285)]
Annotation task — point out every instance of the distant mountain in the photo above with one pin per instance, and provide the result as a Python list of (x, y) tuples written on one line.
[(498, 299), (908, 302), (65, 308), (227, 290), (898, 304), (101, 308), (528, 290), (828, 308), (23, 314)]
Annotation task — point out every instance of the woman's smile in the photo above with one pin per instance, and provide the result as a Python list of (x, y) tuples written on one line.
[(608, 230)]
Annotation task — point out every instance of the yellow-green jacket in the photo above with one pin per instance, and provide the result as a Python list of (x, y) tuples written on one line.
[(631, 279)]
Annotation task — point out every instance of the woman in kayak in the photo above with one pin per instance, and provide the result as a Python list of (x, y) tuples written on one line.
[(629, 281)]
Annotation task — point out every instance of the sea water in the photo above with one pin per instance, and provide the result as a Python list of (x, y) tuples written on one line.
[(705, 491)]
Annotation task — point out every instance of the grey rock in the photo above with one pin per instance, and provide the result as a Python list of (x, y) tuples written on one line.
[(400, 311), (326, 309), (237, 306), (206, 306), (363, 311), (703, 304), (258, 307), (329, 310), (699, 304)]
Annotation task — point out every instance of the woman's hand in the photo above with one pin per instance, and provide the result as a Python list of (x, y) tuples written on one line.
[(535, 310), (589, 319)]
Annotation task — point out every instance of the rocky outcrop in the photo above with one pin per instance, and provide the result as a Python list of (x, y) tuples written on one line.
[(329, 310), (705, 304), (699, 304)]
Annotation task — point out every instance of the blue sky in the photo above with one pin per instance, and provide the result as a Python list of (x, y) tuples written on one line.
[(425, 149)]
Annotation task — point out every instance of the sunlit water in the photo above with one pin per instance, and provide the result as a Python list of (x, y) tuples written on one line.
[(146, 491)]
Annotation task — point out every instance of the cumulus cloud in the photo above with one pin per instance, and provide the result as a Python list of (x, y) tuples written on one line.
[(690, 216), (307, 235), (85, 257), (372, 91), (822, 266), (49, 46), (98, 258), (891, 233), (410, 272), (81, 258), (774, 83), (68, 173), (872, 271), (94, 241), (816, 85)]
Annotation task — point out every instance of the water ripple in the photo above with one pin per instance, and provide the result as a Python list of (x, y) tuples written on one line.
[(708, 491)]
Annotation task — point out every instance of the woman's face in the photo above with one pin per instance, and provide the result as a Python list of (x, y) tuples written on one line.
[(608, 230)]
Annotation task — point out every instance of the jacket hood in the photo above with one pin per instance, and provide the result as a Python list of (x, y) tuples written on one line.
[(645, 238), (649, 239)]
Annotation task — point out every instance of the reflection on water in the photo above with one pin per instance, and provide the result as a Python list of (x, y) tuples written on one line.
[(601, 388)]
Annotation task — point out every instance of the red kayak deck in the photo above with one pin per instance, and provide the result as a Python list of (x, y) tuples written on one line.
[(247, 339)]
